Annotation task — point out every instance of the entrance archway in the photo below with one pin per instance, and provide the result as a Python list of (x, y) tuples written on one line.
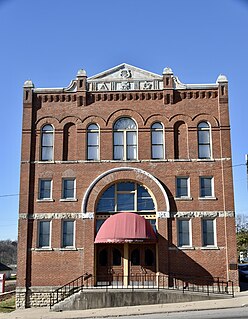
[(126, 250)]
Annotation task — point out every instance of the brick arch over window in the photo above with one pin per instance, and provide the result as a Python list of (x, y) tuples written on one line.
[(120, 173), (125, 113)]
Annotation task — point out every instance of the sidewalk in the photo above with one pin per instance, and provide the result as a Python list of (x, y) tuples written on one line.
[(240, 300)]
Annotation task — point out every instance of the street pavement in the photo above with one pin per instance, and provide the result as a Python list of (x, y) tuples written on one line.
[(240, 300)]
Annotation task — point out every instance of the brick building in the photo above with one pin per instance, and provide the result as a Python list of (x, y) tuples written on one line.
[(124, 173)]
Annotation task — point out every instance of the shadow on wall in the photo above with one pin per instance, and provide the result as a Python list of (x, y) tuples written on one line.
[(179, 264)]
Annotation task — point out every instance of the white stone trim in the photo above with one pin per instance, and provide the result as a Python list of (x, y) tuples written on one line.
[(163, 215), (119, 169), (212, 214)]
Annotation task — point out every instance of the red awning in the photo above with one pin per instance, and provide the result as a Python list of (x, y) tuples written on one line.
[(125, 228)]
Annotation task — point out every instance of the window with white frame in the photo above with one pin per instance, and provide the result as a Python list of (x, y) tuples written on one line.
[(68, 188), (206, 186), (44, 233), (208, 232), (47, 137), (182, 187), (93, 142), (204, 140), (157, 132), (68, 233), (125, 139), (184, 232), (45, 189)]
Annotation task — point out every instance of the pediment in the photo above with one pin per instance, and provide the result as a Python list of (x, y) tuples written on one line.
[(124, 77)]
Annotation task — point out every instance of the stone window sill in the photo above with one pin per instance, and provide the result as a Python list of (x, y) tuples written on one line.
[(210, 248), (68, 200), (207, 198), (183, 198), (45, 200)]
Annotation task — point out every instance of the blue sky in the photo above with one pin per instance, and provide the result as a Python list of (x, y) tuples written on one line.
[(49, 41)]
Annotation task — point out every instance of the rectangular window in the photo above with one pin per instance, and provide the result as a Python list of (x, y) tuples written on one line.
[(44, 234), (208, 232), (118, 145), (206, 186), (68, 191), (182, 189), (45, 187), (131, 145), (183, 232), (93, 146), (68, 233)]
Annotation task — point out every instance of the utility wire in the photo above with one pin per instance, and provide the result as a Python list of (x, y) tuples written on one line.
[(164, 175)]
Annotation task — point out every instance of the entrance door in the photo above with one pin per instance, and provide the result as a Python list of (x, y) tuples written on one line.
[(142, 264), (109, 264)]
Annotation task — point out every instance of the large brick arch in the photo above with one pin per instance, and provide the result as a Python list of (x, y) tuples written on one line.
[(125, 173)]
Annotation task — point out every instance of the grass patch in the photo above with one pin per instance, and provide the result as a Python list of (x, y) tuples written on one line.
[(7, 305)]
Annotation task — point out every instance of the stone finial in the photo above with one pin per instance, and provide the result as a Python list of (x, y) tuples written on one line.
[(167, 71), (28, 84), (221, 78), (81, 72)]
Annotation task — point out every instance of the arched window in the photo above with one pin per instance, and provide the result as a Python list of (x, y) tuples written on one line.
[(125, 197), (93, 142), (204, 140), (69, 145), (157, 141), (125, 139), (47, 143)]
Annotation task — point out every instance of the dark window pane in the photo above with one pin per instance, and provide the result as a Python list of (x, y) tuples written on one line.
[(116, 257), (182, 187), (103, 257), (135, 257), (208, 232), (45, 189), (145, 202), (183, 227), (44, 234), (99, 223), (149, 257), (68, 233), (206, 187), (128, 186), (68, 190), (125, 202)]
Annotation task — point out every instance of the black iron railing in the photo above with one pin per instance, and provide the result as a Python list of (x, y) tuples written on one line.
[(143, 281)]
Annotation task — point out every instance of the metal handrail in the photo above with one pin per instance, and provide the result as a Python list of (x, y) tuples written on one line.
[(179, 282)]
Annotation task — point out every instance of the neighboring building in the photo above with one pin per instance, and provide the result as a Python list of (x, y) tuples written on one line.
[(124, 173), (5, 270)]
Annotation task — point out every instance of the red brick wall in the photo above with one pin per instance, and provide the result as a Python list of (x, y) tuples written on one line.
[(56, 267)]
